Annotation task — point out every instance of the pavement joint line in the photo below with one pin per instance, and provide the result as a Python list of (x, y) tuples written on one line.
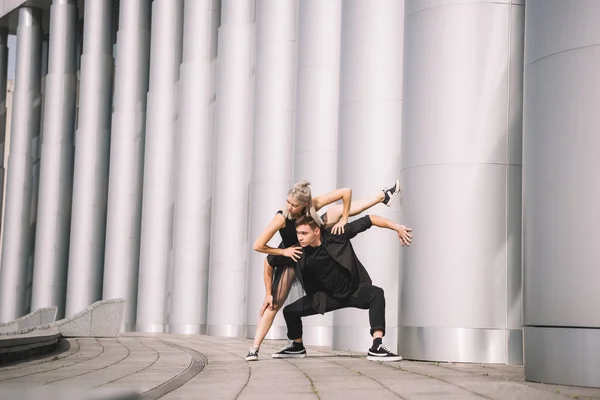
[(99, 369), (197, 363), (135, 372), (531, 385), (439, 379), (366, 376), (58, 354), (62, 366)]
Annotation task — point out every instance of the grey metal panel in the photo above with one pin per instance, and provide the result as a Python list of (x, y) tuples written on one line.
[(194, 167), (561, 139), (453, 344), (273, 132), (19, 223), (158, 192), (316, 122), (562, 356), (92, 142), (124, 209), (460, 159), (370, 126), (56, 172), (233, 163)]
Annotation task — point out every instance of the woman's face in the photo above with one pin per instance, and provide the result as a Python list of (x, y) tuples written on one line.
[(293, 206)]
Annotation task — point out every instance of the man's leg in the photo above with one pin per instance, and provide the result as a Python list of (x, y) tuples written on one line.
[(373, 298)]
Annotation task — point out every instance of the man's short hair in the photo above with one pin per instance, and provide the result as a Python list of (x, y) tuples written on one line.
[(307, 220)]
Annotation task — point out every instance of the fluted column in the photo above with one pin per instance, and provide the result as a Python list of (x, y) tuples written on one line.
[(158, 192), (461, 171), (561, 318), (92, 142), (191, 230), (369, 147), (276, 47), (316, 122), (233, 163), (3, 88), (123, 220), (19, 224), (56, 173)]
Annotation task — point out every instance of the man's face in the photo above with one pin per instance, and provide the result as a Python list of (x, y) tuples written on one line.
[(307, 236)]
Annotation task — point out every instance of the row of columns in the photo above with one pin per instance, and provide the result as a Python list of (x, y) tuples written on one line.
[(317, 90)]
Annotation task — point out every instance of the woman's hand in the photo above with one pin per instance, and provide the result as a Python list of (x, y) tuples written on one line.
[(338, 228), (293, 252), (267, 303)]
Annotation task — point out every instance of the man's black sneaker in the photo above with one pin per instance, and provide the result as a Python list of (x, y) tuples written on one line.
[(252, 354), (381, 353), (391, 193), (292, 350)]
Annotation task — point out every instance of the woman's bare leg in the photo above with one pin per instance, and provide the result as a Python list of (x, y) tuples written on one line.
[(266, 320), (334, 212)]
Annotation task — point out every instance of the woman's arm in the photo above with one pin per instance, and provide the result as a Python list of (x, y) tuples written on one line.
[(345, 195), (260, 244)]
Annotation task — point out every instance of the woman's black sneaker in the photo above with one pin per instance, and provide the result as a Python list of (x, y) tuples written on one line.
[(391, 193), (381, 353), (252, 354), (292, 350)]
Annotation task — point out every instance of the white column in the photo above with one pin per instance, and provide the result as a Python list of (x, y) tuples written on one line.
[(92, 141), (191, 234), (3, 84), (158, 191), (233, 163), (561, 319), (369, 148), (124, 213), (19, 223), (56, 173), (273, 137), (317, 103), (461, 151)]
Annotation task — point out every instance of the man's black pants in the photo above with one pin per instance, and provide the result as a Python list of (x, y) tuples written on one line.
[(368, 298)]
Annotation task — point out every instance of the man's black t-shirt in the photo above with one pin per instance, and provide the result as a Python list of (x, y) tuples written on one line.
[(325, 273)]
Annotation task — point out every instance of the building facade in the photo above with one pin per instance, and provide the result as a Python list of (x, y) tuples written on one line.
[(152, 141)]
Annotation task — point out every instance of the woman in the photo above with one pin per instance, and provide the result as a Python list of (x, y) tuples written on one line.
[(279, 267)]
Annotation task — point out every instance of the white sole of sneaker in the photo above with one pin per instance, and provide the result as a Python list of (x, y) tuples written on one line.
[(384, 359), (252, 358), (289, 355)]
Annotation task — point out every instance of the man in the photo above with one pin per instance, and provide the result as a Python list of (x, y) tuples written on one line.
[(334, 278)]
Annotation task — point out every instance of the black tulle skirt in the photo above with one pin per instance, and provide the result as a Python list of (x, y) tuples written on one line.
[(285, 278)]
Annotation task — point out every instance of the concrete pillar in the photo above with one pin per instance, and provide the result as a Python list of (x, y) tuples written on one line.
[(158, 192), (19, 223), (194, 167), (273, 137), (92, 144), (233, 162), (560, 193), (316, 122), (3, 88), (124, 213), (56, 172), (460, 288), (370, 126)]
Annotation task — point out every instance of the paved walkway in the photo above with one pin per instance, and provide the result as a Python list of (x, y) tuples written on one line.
[(187, 367)]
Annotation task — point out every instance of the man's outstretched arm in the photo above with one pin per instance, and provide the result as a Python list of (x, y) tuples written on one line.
[(404, 233)]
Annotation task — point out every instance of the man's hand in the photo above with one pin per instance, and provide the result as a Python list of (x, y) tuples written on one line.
[(267, 303), (404, 234), (338, 228), (293, 252)]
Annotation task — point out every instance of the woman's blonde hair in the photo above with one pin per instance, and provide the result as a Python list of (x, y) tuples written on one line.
[(302, 194)]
